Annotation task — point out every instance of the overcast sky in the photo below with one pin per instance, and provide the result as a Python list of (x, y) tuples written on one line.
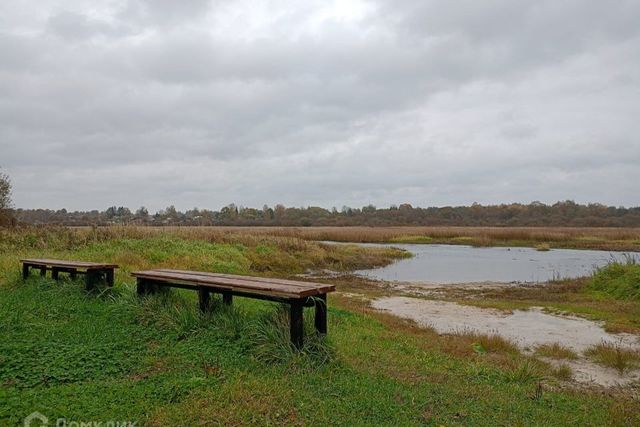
[(204, 103)]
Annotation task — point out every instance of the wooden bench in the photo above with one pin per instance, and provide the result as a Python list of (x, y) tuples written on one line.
[(92, 271), (297, 294)]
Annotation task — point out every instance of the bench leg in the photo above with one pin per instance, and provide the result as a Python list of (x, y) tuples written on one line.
[(109, 277), (321, 314), (55, 273), (25, 271), (43, 271), (204, 299), (296, 328), (141, 287), (91, 279), (227, 298)]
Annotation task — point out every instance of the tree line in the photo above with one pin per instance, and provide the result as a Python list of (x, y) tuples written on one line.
[(563, 213)]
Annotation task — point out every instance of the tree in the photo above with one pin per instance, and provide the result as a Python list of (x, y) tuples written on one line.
[(142, 213), (6, 216)]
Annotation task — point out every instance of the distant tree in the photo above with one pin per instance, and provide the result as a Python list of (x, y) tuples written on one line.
[(111, 212), (279, 212), (171, 212), (369, 209), (229, 212), (6, 215), (142, 213), (267, 213)]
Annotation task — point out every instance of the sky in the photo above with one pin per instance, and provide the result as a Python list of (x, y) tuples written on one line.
[(199, 103)]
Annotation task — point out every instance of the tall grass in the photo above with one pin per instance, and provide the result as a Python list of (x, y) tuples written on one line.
[(270, 342), (265, 334), (189, 248), (620, 280), (623, 239), (614, 356), (556, 351)]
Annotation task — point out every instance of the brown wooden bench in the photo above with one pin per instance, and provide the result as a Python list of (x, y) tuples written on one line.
[(93, 271), (297, 294)]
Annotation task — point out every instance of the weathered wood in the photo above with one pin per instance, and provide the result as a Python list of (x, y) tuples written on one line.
[(92, 278), (93, 271), (66, 263), (269, 280), (296, 326), (232, 282), (204, 299), (321, 314), (227, 298), (141, 287), (109, 277)]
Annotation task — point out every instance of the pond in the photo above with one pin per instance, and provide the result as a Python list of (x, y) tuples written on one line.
[(448, 264)]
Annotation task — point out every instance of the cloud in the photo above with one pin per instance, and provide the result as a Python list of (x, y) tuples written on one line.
[(319, 103)]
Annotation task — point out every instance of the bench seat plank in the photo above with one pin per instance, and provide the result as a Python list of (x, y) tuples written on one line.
[(237, 283), (296, 283), (67, 264)]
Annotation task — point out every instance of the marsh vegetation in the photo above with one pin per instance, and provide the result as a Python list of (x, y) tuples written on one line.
[(157, 361)]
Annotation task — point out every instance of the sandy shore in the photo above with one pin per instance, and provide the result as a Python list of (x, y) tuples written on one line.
[(526, 328)]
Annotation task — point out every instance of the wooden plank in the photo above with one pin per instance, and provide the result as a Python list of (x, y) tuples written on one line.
[(65, 263), (306, 285), (226, 284), (234, 283)]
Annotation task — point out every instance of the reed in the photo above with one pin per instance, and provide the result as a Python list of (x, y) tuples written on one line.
[(617, 239)]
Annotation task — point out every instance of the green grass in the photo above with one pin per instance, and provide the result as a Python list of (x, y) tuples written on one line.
[(157, 361), (620, 280)]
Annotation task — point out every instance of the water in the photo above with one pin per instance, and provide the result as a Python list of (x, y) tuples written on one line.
[(464, 264)]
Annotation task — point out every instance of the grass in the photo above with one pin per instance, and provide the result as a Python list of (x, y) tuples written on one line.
[(563, 372), (620, 280), (543, 247), (613, 239), (556, 351), (614, 356), (190, 249), (158, 361)]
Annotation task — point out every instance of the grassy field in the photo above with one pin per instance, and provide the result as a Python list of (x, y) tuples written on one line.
[(614, 239), (110, 356)]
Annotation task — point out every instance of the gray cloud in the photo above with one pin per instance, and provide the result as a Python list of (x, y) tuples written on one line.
[(203, 103)]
